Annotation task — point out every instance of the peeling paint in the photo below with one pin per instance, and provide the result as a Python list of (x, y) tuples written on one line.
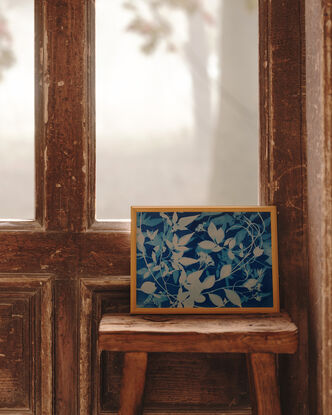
[(41, 55), (46, 77), (45, 155), (46, 87)]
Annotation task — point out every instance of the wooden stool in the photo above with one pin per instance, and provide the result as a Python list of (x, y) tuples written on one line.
[(260, 337)]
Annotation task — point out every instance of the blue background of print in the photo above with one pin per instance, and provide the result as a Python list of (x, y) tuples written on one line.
[(203, 259)]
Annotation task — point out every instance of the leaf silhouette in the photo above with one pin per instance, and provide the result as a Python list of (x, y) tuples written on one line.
[(215, 234), (182, 295), (140, 238), (220, 235), (212, 231), (148, 287), (181, 248), (183, 222), (225, 271), (200, 298), (217, 248), (216, 300), (146, 275), (169, 244), (175, 217), (250, 283), (185, 239), (194, 276), (187, 261), (258, 251), (207, 245), (183, 277), (233, 297), (232, 243), (152, 235), (140, 241), (209, 282)]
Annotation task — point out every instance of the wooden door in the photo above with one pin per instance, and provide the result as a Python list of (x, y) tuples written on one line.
[(61, 271)]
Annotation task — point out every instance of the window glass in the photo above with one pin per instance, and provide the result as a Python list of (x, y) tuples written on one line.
[(177, 103), (17, 109)]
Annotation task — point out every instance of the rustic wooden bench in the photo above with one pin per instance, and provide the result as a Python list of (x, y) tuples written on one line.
[(260, 337)]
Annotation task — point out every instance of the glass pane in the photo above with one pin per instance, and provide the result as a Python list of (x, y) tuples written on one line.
[(17, 109), (177, 103)]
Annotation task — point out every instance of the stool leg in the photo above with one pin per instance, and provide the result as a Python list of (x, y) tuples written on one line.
[(251, 387), (263, 379), (133, 382)]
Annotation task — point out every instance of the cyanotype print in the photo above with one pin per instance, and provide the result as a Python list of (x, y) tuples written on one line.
[(203, 260)]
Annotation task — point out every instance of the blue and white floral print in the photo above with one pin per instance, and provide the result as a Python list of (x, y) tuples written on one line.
[(203, 260)]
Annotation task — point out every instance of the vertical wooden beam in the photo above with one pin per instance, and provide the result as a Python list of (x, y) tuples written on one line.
[(65, 160), (66, 347), (319, 117), (283, 175), (251, 386), (64, 153), (41, 84), (90, 92), (133, 383)]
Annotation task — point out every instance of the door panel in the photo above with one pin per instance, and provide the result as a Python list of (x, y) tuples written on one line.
[(26, 344)]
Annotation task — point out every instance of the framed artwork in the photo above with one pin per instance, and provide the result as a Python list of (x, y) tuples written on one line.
[(204, 260)]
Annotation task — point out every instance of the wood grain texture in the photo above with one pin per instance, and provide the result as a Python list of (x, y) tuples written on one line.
[(16, 352), (92, 253), (133, 383), (217, 382), (264, 375), (41, 96), (283, 176), (251, 382), (66, 143), (26, 363), (66, 346), (92, 293), (319, 121), (203, 334)]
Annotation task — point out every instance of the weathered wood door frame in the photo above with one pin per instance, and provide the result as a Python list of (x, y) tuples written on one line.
[(76, 260), (283, 165), (319, 116)]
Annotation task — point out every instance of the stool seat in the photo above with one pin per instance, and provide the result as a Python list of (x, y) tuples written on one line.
[(207, 334), (259, 336)]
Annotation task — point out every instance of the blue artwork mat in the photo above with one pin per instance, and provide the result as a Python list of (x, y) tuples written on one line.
[(204, 261)]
